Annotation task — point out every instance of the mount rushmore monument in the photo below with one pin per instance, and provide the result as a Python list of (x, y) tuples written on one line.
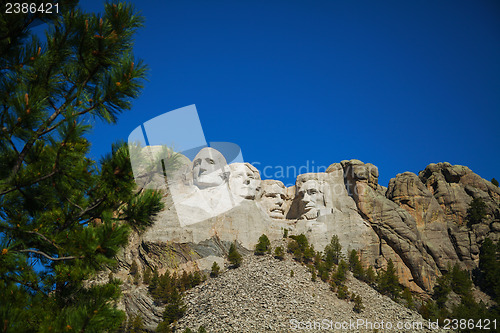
[(418, 221)]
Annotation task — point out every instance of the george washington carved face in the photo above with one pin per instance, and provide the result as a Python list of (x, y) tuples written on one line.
[(209, 168)]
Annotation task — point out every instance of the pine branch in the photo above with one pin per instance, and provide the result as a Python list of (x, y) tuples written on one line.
[(49, 257), (65, 119), (43, 237), (43, 128), (33, 233), (18, 187)]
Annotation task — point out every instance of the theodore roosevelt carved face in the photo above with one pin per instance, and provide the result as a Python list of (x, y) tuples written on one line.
[(273, 199)]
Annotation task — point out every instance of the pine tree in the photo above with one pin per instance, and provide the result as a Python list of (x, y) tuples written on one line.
[(370, 276), (137, 325), (358, 304), (234, 256), (302, 242), (389, 282), (441, 289), (197, 279), (494, 182), (175, 308), (355, 265), (333, 252), (215, 270), (155, 280), (476, 212), (262, 246), (309, 253), (407, 296), (340, 274), (279, 253), (146, 276), (460, 281), (134, 271), (61, 211), (313, 274), (488, 273), (342, 292)]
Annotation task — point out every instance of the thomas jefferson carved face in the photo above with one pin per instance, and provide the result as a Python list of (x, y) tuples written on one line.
[(273, 199), (244, 181), (312, 199), (209, 168)]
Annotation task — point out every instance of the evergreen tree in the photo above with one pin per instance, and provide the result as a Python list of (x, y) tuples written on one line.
[(358, 304), (215, 270), (340, 275), (279, 253), (494, 182), (202, 329), (134, 271), (355, 265), (389, 282), (292, 246), (430, 310), (146, 276), (185, 281), (197, 279), (370, 276), (407, 296), (155, 280), (302, 242), (476, 211), (262, 246), (460, 281), (175, 307), (137, 278), (61, 211), (333, 252), (134, 268), (163, 327), (137, 325), (234, 256), (308, 253), (487, 276), (342, 292), (441, 289)]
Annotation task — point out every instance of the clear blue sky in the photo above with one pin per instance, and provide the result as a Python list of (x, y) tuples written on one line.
[(400, 84)]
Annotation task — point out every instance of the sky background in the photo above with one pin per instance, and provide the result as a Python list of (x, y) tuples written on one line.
[(400, 84)]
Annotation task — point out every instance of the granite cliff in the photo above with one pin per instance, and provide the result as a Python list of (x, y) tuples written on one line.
[(418, 221)]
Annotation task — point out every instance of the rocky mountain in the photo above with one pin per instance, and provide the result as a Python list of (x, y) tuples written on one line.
[(262, 296), (418, 221)]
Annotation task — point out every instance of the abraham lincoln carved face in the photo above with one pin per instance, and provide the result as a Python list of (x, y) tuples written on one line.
[(312, 199)]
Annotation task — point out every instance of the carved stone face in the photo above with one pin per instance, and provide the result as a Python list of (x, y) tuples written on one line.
[(209, 168), (312, 199), (273, 199), (244, 181)]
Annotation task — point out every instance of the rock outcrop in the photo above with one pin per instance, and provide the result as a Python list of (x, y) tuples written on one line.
[(454, 187), (418, 221)]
